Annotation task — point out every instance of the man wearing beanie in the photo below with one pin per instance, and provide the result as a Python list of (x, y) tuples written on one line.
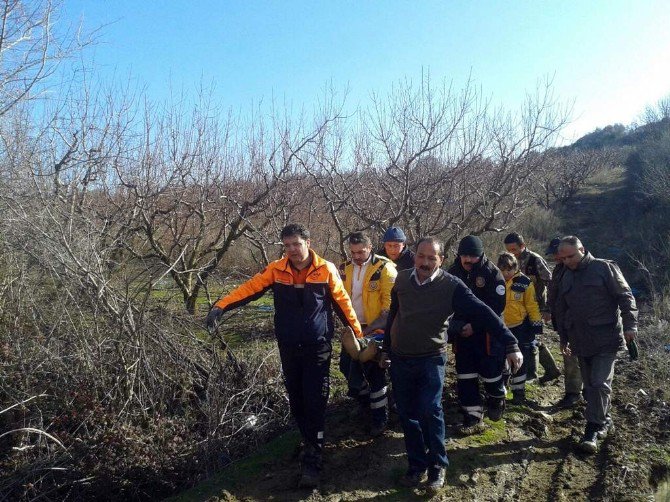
[(477, 354), (395, 248)]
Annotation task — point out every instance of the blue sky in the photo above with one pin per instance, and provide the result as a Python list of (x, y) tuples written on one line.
[(612, 58)]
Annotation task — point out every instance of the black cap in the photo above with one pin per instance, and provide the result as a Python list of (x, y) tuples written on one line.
[(470, 245), (552, 248)]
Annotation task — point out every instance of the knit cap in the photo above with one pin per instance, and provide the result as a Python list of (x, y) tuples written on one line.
[(394, 234), (470, 245)]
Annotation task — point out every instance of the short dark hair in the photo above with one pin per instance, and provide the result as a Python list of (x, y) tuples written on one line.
[(293, 229), (434, 241), (360, 238), (572, 240), (514, 238), (507, 261)]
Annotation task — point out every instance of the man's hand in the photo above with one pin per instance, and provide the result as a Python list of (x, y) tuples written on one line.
[(467, 330), (213, 317), (565, 349), (384, 360), (515, 360), (546, 317), (630, 335)]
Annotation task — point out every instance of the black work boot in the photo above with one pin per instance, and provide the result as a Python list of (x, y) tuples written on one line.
[(380, 417), (471, 425), (589, 442), (435, 482), (495, 407), (411, 478), (519, 396), (606, 429), (310, 467), (569, 400)]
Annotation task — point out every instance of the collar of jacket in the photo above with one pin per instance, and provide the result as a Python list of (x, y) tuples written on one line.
[(475, 267), (586, 261), (317, 262)]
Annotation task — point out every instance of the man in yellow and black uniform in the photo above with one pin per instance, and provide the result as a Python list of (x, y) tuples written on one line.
[(368, 278), (307, 289)]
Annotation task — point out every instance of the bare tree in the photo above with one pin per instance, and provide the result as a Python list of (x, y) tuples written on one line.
[(31, 50), (435, 161)]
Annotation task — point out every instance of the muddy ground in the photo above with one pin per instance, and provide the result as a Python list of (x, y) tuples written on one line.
[(530, 455)]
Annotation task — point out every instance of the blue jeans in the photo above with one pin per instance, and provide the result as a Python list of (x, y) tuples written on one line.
[(417, 388)]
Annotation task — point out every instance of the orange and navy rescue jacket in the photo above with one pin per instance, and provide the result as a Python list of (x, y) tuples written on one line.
[(303, 312)]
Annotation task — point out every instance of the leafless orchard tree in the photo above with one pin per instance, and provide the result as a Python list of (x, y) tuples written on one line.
[(200, 184), (32, 48), (435, 161)]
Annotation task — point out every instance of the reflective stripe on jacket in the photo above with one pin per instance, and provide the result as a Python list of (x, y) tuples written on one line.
[(377, 284), (302, 314)]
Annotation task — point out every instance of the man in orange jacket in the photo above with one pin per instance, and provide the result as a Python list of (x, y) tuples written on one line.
[(307, 289)]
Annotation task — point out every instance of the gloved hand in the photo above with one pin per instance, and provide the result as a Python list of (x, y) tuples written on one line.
[(515, 360), (213, 317)]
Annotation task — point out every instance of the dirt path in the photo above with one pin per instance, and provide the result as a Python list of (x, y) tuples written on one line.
[(530, 455)]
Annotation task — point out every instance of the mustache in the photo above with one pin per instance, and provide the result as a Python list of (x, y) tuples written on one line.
[(426, 268)]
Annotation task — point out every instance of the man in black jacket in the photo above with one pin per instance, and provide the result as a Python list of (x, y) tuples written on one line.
[(477, 354)]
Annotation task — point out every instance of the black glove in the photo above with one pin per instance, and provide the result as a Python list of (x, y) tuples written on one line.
[(632, 350), (213, 317)]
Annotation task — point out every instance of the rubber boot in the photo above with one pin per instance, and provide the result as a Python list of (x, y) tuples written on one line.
[(547, 361)]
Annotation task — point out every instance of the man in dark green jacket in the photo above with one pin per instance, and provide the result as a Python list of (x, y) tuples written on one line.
[(597, 316)]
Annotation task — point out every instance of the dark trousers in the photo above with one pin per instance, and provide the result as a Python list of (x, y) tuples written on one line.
[(526, 339), (306, 375), (417, 388), (473, 363), (597, 374), (367, 383)]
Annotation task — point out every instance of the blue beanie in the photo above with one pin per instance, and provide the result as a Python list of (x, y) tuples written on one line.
[(394, 234)]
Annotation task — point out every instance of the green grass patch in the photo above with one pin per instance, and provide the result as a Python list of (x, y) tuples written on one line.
[(494, 432), (239, 473)]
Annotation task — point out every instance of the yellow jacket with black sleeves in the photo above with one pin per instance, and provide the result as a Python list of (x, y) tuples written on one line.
[(377, 284), (303, 313), (521, 303)]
